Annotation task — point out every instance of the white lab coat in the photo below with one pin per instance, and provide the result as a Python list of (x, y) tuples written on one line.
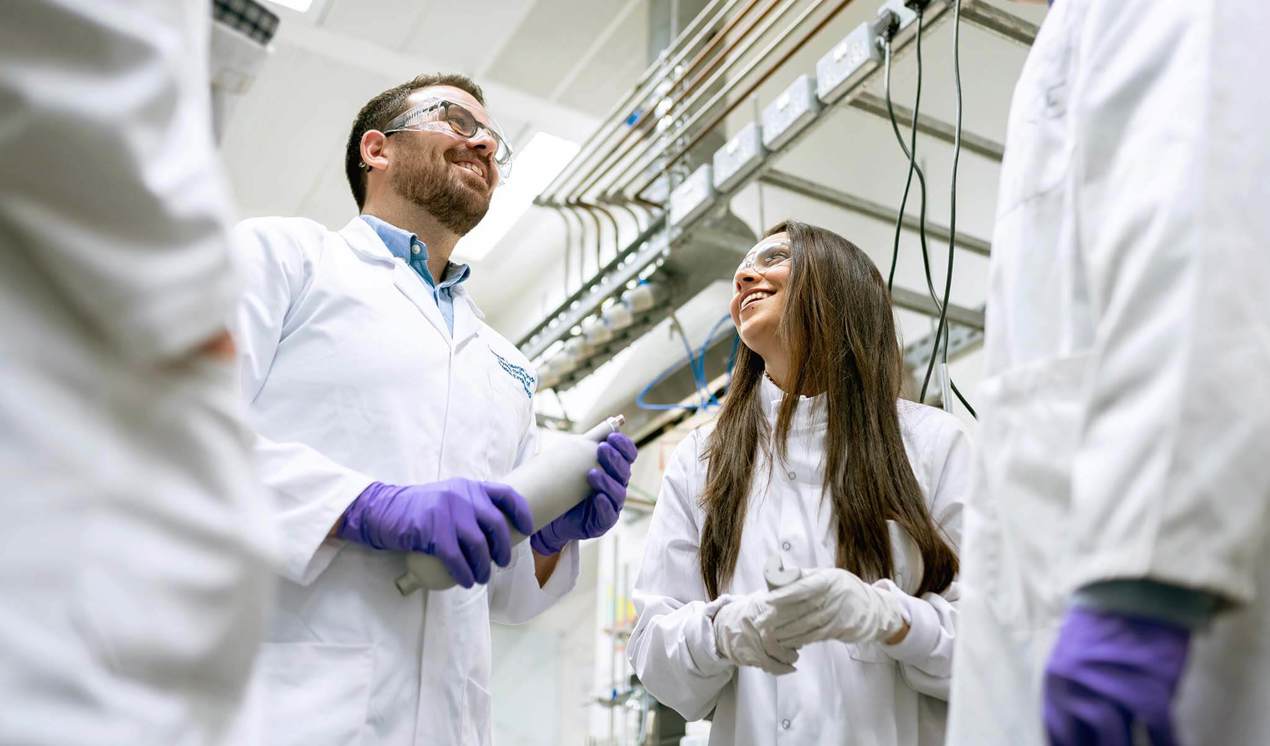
[(134, 558), (1125, 412), (352, 376), (865, 694)]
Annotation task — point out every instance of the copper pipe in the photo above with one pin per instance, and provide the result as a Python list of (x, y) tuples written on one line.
[(578, 212), (642, 158), (643, 88), (749, 91), (617, 230), (699, 79), (701, 55)]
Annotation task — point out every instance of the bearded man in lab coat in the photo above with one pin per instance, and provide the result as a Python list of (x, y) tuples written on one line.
[(1116, 577), (384, 407)]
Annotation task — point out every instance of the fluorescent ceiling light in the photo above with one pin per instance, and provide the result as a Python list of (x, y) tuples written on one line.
[(296, 5), (532, 170)]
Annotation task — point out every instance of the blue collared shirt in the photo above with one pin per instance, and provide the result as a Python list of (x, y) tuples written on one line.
[(407, 247)]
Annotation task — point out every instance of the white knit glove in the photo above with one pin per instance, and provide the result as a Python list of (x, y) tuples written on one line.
[(738, 622), (831, 604)]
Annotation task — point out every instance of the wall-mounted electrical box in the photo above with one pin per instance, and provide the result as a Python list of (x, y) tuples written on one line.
[(692, 197), (847, 63), (738, 158), (791, 112)]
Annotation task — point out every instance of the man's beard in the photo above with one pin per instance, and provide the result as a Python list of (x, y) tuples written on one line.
[(453, 205)]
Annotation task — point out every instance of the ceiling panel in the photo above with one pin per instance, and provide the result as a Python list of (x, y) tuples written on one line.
[(551, 41), (390, 23), (467, 36)]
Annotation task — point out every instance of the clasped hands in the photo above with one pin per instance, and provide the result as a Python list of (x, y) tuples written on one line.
[(766, 629)]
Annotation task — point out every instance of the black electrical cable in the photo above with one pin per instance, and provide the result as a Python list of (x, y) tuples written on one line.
[(910, 152), (921, 180), (953, 220), (942, 331)]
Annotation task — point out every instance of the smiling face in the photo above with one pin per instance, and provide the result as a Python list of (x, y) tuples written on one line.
[(451, 176), (758, 297)]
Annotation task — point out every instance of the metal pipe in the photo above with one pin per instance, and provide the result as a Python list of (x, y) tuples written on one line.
[(585, 209), (578, 212), (922, 303), (642, 89), (529, 343), (617, 230), (626, 145), (698, 79), (868, 208), (928, 125), (744, 95), (568, 248), (1000, 22), (642, 157)]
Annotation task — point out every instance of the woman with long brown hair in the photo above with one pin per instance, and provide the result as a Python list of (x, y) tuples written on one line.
[(815, 464)]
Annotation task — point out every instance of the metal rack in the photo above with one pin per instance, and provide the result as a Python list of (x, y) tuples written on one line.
[(645, 257)]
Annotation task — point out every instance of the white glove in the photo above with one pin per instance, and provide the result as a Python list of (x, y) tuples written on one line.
[(737, 637), (831, 604)]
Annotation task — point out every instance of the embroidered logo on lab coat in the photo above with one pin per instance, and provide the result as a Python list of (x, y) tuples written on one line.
[(520, 374)]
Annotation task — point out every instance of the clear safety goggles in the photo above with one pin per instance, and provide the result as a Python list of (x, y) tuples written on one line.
[(768, 254), (440, 115)]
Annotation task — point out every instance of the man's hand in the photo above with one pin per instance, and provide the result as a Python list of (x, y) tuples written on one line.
[(460, 521), (1111, 679), (220, 348), (599, 511)]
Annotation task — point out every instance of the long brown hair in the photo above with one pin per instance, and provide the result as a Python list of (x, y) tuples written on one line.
[(839, 329)]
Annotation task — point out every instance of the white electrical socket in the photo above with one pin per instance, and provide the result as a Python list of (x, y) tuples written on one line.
[(847, 63), (794, 109), (692, 197), (738, 158)]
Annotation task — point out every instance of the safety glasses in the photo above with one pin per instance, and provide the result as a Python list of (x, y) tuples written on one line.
[(440, 115), (768, 254)]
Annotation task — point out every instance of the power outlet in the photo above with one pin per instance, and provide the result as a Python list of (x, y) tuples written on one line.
[(693, 197), (738, 158), (791, 112), (847, 63)]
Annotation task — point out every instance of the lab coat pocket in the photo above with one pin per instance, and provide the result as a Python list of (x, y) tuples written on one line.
[(316, 693), (1022, 523), (511, 411)]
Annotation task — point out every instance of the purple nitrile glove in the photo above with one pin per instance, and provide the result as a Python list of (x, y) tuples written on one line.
[(1111, 677), (598, 512), (460, 521)]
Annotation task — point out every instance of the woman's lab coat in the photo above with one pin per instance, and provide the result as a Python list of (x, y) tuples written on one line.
[(1125, 412), (134, 573), (868, 694), (352, 376)]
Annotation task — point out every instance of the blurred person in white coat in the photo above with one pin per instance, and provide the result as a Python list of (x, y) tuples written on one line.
[(815, 459), (134, 552), (1117, 563), (387, 410)]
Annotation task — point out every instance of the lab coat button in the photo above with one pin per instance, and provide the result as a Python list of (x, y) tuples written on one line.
[(791, 475), (786, 546), (785, 724)]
